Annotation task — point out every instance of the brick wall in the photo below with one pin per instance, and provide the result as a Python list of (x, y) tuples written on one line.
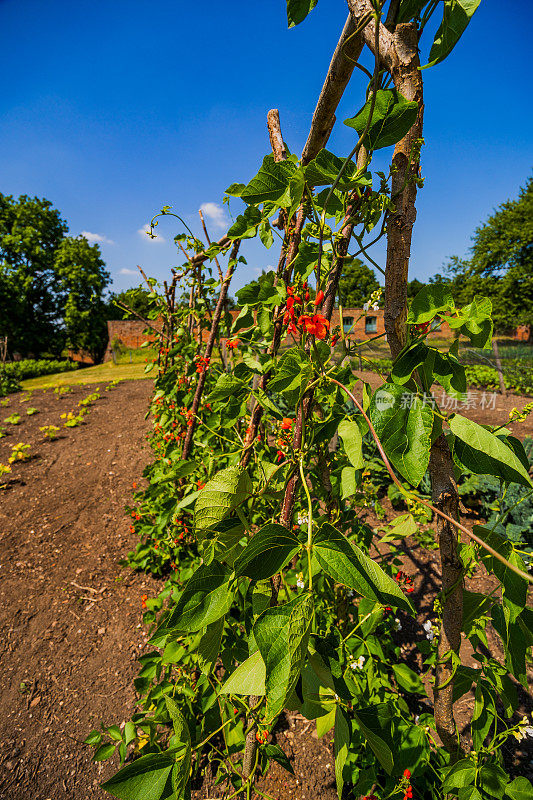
[(367, 324)]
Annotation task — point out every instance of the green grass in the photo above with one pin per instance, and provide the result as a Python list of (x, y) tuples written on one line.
[(101, 373)]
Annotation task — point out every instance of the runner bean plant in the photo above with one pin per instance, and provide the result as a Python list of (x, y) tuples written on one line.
[(277, 598)]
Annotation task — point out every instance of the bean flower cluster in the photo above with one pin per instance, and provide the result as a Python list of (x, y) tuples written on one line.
[(314, 324)]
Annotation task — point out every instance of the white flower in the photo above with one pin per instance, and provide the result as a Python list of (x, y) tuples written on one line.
[(357, 663), (300, 581), (397, 624), (302, 519), (428, 627), (366, 306), (529, 731), (375, 307)]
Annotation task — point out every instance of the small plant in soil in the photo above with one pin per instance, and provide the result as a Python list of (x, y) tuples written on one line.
[(31, 411), (50, 431), (73, 420), (89, 400), (60, 390), (19, 452), (4, 469), (13, 419)]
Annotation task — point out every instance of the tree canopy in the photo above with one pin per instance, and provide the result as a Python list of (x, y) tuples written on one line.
[(356, 284), (501, 264), (51, 284)]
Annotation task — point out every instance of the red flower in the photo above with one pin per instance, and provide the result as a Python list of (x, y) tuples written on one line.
[(287, 423), (132, 529), (144, 598), (316, 325), (319, 297), (200, 484), (293, 329), (407, 773)]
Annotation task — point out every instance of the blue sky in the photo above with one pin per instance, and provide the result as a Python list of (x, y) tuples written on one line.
[(112, 110)]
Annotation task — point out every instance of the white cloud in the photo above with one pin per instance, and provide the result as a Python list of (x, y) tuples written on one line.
[(144, 233), (126, 271), (215, 214), (96, 237)]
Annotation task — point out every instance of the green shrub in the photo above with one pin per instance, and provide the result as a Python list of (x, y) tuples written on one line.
[(34, 368)]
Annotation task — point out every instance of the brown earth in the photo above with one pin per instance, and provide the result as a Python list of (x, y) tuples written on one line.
[(71, 616)]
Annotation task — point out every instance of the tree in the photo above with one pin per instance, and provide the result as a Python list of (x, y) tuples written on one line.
[(501, 265), (30, 233), (413, 287), (51, 285), (83, 278), (356, 284), (137, 298)]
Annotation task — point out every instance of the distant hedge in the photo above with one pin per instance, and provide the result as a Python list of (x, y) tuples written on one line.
[(33, 368)]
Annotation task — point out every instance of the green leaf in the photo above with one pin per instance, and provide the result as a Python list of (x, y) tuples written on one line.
[(433, 299), (403, 422), (519, 789), (325, 722), (341, 743), (324, 168), (375, 723), (449, 373), (293, 373), (297, 10), (221, 495), (275, 753), (408, 679), (392, 118), (483, 716), (104, 751), (457, 15), (209, 646), (282, 634), (226, 386), (408, 361), (463, 773), (348, 565), (409, 9), (267, 552), (493, 780), (248, 678), (205, 599), (148, 777), (94, 738), (352, 440), (266, 235), (348, 482), (182, 767), (474, 321), (271, 183), (484, 453), (245, 226), (514, 643)]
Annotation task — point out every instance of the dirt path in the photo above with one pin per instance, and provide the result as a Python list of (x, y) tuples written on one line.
[(68, 653)]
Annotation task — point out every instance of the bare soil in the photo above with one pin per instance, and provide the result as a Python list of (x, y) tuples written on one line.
[(70, 616)]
